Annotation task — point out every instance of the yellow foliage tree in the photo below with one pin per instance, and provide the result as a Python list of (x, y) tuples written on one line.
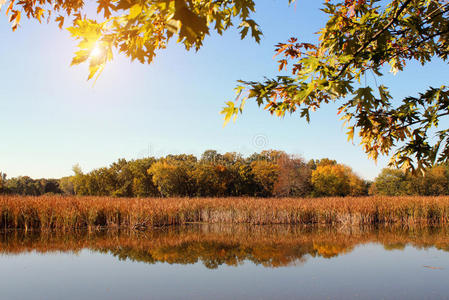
[(265, 175), (336, 180)]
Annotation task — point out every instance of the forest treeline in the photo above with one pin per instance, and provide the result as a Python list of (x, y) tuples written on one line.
[(266, 174)]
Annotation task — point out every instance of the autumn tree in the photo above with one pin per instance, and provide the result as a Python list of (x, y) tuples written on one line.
[(357, 185), (363, 38), (293, 178), (337, 180), (244, 182), (233, 171), (265, 175), (330, 180), (173, 175), (210, 179), (435, 182)]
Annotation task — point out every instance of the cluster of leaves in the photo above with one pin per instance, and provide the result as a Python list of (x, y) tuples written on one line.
[(42, 10), (359, 39), (138, 28)]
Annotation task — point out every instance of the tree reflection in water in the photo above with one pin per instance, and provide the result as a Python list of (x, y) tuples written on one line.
[(215, 245)]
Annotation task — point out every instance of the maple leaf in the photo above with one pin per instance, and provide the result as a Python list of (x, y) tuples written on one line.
[(106, 6)]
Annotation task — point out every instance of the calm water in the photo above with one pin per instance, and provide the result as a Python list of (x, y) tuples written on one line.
[(227, 262)]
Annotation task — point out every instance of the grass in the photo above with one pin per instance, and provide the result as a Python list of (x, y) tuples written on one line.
[(68, 213)]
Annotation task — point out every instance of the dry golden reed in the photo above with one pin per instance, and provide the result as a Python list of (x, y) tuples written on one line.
[(68, 213)]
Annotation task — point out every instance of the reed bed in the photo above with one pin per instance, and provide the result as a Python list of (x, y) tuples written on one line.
[(69, 213)]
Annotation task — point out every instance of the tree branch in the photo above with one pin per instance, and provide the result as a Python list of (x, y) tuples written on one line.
[(374, 37)]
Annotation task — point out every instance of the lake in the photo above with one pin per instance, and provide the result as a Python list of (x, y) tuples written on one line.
[(203, 261)]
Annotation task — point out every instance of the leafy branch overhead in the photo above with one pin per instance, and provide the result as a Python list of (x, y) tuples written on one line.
[(361, 38), (138, 28)]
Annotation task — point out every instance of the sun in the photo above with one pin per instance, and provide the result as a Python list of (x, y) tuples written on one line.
[(96, 52)]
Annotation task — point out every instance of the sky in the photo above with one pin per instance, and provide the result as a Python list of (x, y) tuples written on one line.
[(51, 117)]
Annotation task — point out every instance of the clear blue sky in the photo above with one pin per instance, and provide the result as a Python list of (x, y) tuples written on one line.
[(52, 118)]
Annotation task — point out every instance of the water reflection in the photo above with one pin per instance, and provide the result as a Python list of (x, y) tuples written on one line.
[(215, 245)]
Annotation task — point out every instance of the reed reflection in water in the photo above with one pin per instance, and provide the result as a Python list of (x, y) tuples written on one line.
[(214, 245), (205, 261)]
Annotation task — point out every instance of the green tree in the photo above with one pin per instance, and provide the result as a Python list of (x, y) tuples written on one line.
[(394, 182), (142, 185), (103, 182), (391, 182), (121, 179), (24, 185), (66, 185), (80, 183), (49, 186), (243, 181)]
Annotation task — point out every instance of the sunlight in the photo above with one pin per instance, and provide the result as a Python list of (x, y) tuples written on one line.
[(96, 51)]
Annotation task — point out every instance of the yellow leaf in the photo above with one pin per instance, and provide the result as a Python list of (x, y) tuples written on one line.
[(134, 11)]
